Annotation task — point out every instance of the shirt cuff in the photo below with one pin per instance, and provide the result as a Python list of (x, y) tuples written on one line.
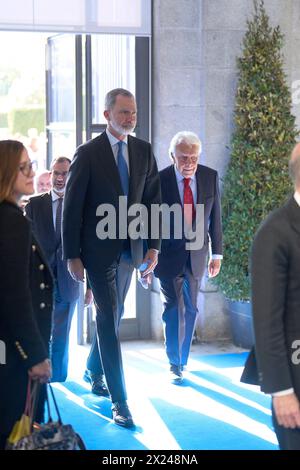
[(282, 393), (216, 257)]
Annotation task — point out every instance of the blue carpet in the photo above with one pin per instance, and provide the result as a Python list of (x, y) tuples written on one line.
[(210, 410)]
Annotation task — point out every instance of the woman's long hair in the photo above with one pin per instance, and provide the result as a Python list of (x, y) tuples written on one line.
[(10, 157)]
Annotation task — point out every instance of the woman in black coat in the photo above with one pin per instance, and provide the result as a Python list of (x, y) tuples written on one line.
[(25, 293)]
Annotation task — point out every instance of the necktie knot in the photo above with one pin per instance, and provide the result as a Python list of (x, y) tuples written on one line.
[(186, 182)]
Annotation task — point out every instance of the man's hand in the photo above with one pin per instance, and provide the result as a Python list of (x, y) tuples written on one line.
[(76, 269), (287, 410), (41, 372), (151, 259), (88, 298), (214, 267)]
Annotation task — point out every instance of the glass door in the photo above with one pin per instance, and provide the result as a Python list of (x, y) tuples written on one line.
[(61, 96)]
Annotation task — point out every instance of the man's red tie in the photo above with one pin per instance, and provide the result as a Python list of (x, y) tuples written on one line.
[(188, 202)]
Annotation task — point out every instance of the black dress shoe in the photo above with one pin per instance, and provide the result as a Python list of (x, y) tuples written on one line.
[(121, 414), (176, 374), (97, 383)]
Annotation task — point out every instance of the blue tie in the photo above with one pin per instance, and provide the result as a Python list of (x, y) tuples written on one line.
[(123, 169)]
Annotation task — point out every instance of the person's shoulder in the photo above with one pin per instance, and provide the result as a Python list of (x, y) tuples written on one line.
[(39, 197), (274, 224), (139, 142), (91, 144), (206, 170), (38, 200), (276, 216), (7, 207), (165, 172), (12, 215)]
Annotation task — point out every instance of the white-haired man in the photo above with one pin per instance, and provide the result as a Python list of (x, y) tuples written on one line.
[(180, 268)]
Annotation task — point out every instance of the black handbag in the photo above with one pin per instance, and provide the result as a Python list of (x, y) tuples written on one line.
[(53, 435)]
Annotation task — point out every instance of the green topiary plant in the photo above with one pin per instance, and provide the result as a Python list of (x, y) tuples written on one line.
[(257, 179)]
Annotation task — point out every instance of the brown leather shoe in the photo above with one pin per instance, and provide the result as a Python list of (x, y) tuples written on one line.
[(97, 382), (121, 414)]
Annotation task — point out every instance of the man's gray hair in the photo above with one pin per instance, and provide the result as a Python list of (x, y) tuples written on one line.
[(59, 160), (186, 137), (294, 166), (111, 96)]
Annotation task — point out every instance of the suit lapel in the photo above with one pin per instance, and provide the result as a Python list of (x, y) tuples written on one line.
[(200, 181), (174, 191), (47, 213), (109, 163), (136, 167)]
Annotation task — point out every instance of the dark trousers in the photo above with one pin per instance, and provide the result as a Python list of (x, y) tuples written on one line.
[(109, 289), (62, 318), (180, 312), (288, 439)]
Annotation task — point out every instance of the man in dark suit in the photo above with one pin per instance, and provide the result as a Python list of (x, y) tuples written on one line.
[(275, 272), (181, 266), (111, 167), (45, 212)]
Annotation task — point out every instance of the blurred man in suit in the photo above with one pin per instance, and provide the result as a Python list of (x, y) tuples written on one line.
[(275, 272), (110, 166), (45, 212), (180, 268)]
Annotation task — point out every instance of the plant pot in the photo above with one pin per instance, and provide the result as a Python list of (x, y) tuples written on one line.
[(240, 314)]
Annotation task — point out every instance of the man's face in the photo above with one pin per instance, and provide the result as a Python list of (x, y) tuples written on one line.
[(122, 117), (186, 159), (43, 183), (59, 175)]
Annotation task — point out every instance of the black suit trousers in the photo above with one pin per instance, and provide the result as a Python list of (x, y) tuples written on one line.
[(109, 289)]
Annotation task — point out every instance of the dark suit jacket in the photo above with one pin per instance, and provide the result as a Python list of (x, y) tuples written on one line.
[(26, 288), (93, 180), (173, 254), (39, 210), (275, 273)]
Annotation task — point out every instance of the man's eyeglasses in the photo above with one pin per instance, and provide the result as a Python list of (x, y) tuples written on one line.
[(28, 167), (186, 159)]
